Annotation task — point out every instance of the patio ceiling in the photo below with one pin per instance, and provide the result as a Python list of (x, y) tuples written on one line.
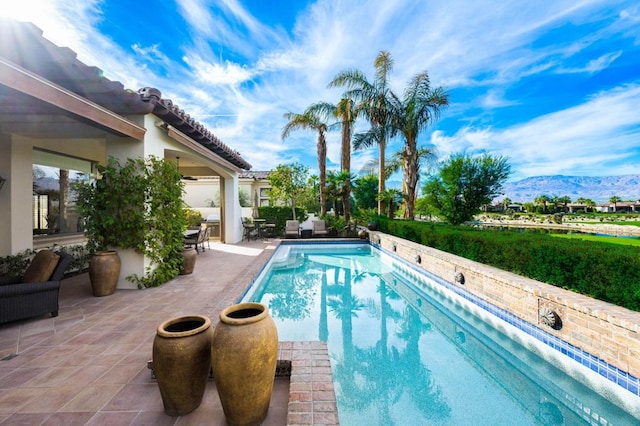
[(46, 92)]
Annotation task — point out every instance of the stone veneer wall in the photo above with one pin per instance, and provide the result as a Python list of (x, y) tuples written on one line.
[(607, 331)]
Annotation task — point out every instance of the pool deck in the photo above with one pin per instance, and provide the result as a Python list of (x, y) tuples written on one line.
[(89, 364)]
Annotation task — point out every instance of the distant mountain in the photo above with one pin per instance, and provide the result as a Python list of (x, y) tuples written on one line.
[(599, 189)]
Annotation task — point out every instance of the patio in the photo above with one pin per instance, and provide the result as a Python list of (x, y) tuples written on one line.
[(89, 364)]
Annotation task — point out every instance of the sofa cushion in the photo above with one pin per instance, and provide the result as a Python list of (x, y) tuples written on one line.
[(41, 267)]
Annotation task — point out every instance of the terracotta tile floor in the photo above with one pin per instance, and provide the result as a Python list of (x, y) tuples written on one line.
[(89, 365)]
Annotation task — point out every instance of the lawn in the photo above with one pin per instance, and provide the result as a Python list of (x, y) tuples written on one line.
[(601, 239), (631, 223)]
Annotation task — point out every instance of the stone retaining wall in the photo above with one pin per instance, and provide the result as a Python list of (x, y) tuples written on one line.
[(602, 329)]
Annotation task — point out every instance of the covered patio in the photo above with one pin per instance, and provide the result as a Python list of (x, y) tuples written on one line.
[(89, 364)]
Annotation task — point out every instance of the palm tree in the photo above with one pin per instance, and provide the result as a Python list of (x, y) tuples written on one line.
[(311, 120), (398, 161), (372, 98), (542, 199), (420, 107), (345, 112), (615, 200)]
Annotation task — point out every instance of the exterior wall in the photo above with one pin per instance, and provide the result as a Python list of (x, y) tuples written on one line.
[(16, 203), (607, 331)]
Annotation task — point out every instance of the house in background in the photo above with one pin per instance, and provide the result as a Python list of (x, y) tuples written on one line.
[(59, 118)]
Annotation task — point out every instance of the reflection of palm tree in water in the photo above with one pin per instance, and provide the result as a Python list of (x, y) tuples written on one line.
[(380, 375)]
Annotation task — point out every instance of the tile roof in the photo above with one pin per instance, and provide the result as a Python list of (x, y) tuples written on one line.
[(257, 175), (23, 45)]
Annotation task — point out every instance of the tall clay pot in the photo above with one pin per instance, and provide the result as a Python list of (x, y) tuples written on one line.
[(181, 362), (104, 270), (189, 256), (243, 357)]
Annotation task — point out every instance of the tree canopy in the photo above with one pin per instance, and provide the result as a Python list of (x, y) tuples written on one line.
[(464, 184)]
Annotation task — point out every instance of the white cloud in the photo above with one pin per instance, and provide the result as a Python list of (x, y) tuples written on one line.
[(591, 137)]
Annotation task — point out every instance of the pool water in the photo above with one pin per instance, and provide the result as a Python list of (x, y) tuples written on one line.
[(405, 351)]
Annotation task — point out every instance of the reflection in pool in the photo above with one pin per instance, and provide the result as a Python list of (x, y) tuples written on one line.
[(405, 351)]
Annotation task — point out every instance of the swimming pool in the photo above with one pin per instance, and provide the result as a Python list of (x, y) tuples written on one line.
[(406, 350)]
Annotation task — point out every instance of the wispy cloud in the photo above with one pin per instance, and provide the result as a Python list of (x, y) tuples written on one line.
[(239, 76)]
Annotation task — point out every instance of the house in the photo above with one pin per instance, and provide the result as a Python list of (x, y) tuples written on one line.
[(59, 118)]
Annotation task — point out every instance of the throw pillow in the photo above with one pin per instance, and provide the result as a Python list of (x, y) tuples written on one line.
[(41, 267)]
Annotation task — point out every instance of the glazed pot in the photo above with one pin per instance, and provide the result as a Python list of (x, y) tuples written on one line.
[(243, 357), (104, 270), (189, 256), (181, 362)]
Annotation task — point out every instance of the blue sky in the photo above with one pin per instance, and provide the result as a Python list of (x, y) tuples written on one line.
[(552, 85)]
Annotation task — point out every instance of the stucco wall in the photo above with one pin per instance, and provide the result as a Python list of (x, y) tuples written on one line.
[(607, 331)]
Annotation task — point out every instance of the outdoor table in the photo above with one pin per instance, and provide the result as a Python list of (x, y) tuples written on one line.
[(259, 228)]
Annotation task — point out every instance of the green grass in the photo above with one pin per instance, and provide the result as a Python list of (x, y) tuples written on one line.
[(631, 223), (601, 239)]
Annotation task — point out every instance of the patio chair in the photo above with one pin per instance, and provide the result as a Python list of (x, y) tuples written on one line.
[(206, 236), (319, 228), (270, 227), (195, 239), (292, 229), (248, 229), (36, 291)]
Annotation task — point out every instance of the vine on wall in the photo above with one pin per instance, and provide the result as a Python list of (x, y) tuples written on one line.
[(137, 205)]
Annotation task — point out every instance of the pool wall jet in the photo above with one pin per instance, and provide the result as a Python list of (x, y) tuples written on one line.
[(597, 334)]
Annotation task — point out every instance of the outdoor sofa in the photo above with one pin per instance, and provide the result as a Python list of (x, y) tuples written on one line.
[(36, 292)]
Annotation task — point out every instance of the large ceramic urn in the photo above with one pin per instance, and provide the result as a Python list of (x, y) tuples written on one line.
[(243, 357), (104, 270), (189, 256), (182, 361)]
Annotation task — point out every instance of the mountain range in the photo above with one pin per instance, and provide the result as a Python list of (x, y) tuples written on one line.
[(597, 188)]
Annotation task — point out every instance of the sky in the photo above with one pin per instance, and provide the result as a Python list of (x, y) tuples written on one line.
[(554, 86)]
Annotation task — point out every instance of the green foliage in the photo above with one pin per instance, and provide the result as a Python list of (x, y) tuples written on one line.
[(464, 184), (281, 215), (604, 271), (192, 217), (287, 182), (365, 192), (243, 197), (310, 197), (137, 205), (16, 265)]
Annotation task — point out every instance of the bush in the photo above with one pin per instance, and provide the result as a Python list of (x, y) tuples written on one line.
[(604, 271), (193, 217), (281, 215)]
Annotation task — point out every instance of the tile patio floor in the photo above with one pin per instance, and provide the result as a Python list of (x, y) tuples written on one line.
[(89, 365)]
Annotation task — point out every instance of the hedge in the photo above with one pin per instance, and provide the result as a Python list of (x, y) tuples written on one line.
[(607, 272)]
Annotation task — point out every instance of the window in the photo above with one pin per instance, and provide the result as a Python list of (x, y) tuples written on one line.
[(53, 198)]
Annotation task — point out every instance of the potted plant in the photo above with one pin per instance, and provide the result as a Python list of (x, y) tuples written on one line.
[(137, 206)]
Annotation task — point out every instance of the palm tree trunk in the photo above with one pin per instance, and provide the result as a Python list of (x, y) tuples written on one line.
[(322, 167), (410, 178), (346, 165), (381, 171)]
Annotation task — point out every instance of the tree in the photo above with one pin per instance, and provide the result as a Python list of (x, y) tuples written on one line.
[(588, 202), (398, 161), (346, 113), (615, 200), (288, 182), (372, 99), (464, 184), (365, 191), (310, 119), (420, 107), (542, 200)]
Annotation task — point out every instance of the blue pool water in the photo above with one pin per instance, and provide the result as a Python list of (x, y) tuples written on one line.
[(406, 351)]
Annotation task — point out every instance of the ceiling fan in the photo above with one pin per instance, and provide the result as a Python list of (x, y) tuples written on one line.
[(183, 176)]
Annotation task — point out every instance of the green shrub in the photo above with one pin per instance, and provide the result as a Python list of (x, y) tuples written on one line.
[(281, 215), (193, 217), (607, 272)]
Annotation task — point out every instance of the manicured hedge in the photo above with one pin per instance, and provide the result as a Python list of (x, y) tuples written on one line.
[(604, 271), (281, 215)]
